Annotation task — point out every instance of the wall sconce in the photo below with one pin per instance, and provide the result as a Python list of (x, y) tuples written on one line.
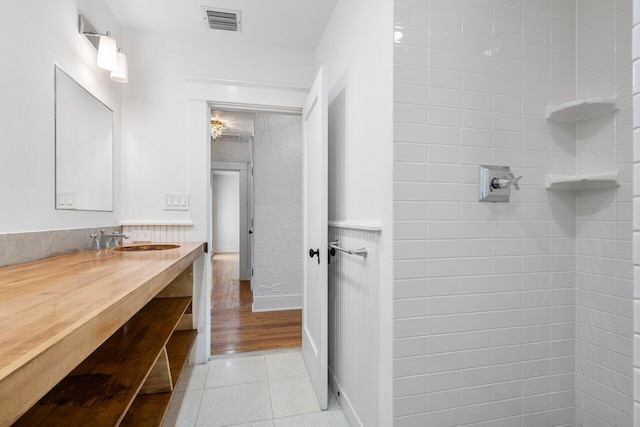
[(109, 57), (121, 73)]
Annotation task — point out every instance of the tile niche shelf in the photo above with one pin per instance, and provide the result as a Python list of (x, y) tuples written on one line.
[(587, 181), (581, 109)]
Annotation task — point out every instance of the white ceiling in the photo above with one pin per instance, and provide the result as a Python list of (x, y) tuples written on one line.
[(291, 23)]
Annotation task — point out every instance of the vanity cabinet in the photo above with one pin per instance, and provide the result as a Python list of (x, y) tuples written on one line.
[(129, 378)]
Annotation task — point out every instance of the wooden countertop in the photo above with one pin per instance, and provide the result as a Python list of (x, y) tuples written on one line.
[(55, 312)]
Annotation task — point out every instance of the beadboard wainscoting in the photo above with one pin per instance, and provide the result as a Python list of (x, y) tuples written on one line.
[(354, 324), (160, 232)]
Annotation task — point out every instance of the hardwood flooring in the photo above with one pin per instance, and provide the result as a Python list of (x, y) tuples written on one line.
[(234, 328)]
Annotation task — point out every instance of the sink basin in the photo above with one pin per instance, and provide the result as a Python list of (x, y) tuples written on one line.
[(148, 247)]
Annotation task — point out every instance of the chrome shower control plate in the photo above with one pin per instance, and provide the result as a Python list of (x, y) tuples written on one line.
[(488, 177)]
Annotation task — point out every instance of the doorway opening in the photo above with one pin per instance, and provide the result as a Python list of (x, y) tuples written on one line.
[(256, 205)]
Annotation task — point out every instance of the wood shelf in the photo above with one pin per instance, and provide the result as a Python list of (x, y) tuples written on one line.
[(99, 391), (583, 181), (149, 409), (581, 109)]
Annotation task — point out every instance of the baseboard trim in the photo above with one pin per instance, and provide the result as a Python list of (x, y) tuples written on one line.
[(343, 400), (277, 302), (225, 250)]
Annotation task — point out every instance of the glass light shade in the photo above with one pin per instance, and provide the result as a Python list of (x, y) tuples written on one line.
[(107, 53), (121, 73)]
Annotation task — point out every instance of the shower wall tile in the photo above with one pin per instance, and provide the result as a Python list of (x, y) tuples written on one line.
[(485, 294), (604, 369), (636, 211)]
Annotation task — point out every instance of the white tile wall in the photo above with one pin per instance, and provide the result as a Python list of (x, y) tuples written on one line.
[(603, 230), (486, 296), (484, 293), (636, 209)]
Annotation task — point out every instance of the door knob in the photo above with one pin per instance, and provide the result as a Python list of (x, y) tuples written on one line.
[(313, 253)]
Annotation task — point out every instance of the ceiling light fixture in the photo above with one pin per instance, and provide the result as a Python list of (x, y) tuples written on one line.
[(217, 127), (109, 57)]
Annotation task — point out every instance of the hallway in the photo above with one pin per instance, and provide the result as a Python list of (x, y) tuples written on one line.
[(234, 327)]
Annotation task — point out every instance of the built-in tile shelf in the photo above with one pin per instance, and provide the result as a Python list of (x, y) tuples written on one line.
[(357, 225), (588, 181), (581, 109)]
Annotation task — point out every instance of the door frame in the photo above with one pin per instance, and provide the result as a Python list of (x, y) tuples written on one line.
[(203, 94), (246, 213)]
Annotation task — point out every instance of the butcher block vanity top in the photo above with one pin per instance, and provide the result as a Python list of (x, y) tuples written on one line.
[(54, 313)]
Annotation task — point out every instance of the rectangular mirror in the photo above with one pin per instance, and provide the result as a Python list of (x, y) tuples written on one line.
[(84, 148)]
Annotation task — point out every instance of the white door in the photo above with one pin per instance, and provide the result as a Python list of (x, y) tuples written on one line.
[(315, 230), (251, 228)]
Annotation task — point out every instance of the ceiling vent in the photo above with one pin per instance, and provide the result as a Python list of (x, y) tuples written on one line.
[(222, 19), (230, 137)]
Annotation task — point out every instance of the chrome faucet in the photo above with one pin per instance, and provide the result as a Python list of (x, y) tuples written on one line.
[(103, 240), (95, 243), (113, 239)]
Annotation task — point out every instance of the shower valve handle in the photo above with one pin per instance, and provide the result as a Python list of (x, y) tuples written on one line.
[(504, 182)]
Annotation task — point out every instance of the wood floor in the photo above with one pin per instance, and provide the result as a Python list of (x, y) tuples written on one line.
[(234, 328)]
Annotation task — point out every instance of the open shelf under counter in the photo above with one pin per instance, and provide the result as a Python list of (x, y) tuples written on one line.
[(149, 409), (581, 109), (587, 181), (90, 335)]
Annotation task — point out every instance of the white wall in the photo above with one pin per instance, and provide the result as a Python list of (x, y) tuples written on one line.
[(156, 155), (226, 211), (27, 154), (484, 293), (231, 151), (357, 48), (604, 303), (277, 195)]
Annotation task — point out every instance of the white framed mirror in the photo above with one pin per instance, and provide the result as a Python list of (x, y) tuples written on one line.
[(84, 147)]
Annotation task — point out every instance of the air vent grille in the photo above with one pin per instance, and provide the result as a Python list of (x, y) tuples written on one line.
[(231, 136), (222, 19)]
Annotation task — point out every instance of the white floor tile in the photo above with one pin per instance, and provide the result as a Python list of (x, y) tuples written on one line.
[(193, 377), (236, 404), (292, 396), (333, 404), (268, 423), (285, 365), (317, 419), (183, 409), (234, 371)]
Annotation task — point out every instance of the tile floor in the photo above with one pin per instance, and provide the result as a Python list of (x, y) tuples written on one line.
[(269, 389)]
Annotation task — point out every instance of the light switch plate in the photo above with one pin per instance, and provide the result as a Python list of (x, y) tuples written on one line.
[(489, 194), (176, 202), (66, 200)]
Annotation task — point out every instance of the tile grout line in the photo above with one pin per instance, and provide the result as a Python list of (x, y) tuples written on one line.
[(269, 390)]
